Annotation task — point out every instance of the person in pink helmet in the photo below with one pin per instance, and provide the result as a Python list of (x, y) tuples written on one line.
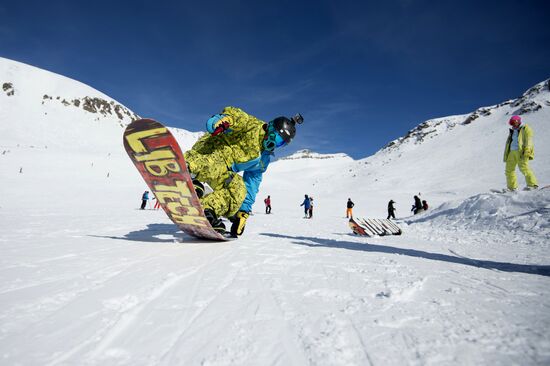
[(518, 151)]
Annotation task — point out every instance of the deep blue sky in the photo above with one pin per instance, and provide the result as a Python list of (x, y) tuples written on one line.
[(361, 72)]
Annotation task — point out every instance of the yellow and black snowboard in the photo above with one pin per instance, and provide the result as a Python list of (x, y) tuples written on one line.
[(158, 157)]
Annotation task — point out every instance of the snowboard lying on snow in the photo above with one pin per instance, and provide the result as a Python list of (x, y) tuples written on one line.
[(158, 157), (506, 190), (373, 227)]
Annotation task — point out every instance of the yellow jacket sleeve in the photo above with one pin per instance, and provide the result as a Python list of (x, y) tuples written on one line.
[(528, 148), (240, 120)]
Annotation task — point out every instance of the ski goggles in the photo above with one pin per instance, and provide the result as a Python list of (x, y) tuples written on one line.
[(273, 140)]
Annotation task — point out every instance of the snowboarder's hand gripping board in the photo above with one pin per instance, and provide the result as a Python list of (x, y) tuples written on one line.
[(218, 124)]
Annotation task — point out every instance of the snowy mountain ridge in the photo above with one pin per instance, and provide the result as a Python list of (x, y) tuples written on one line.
[(96, 105), (37, 85), (532, 100), (309, 154), (56, 106), (460, 154)]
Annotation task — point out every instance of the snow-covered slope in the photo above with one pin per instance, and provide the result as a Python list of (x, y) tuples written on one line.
[(44, 110), (86, 278), (447, 158)]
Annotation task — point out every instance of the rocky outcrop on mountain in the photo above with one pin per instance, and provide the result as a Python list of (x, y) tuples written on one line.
[(8, 89), (530, 101), (308, 154), (94, 105), (426, 130)]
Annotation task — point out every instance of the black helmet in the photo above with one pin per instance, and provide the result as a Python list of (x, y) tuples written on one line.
[(280, 131), (285, 128)]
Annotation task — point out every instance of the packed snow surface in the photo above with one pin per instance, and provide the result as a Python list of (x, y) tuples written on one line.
[(86, 278)]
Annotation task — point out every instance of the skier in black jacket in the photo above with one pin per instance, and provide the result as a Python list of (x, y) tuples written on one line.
[(349, 208), (391, 209), (417, 207)]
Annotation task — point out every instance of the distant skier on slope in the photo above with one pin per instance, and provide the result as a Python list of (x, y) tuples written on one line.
[(267, 202), (236, 142), (349, 208), (144, 199), (307, 205), (417, 206), (518, 151), (391, 210)]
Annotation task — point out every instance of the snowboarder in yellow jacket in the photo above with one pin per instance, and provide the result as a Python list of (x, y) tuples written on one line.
[(235, 142), (518, 151)]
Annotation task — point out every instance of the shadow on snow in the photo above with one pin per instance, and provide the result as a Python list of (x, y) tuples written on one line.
[(151, 233), (542, 270)]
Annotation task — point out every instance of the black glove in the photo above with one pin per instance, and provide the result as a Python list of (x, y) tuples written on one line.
[(239, 222)]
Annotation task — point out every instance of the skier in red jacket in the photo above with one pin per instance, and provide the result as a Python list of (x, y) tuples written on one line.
[(267, 202)]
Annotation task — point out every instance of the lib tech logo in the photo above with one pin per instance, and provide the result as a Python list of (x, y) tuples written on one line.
[(158, 157)]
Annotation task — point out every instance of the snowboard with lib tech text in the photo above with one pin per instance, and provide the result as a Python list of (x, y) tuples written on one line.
[(158, 157), (374, 227)]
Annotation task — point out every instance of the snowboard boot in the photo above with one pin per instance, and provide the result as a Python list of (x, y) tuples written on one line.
[(199, 188), (216, 223)]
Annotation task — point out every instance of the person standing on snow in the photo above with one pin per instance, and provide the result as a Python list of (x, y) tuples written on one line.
[(310, 211), (235, 142), (144, 199), (267, 202), (391, 209), (349, 208), (518, 151), (417, 206), (307, 205)]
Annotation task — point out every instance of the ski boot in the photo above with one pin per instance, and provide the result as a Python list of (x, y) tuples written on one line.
[(216, 223)]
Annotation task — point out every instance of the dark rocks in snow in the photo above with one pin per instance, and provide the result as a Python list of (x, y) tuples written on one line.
[(9, 89), (527, 107), (308, 154), (526, 104), (96, 105), (417, 134), (428, 129), (480, 112)]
